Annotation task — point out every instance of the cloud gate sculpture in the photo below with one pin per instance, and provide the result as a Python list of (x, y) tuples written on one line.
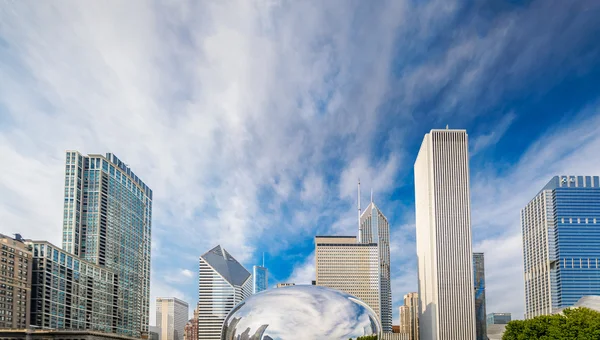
[(300, 312)]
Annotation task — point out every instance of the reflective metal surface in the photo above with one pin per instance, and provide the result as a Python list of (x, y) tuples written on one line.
[(300, 312)]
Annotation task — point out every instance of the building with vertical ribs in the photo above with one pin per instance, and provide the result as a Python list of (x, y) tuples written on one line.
[(443, 235)]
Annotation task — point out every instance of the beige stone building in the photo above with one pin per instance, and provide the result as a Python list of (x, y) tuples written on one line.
[(409, 316), (344, 264), (15, 283)]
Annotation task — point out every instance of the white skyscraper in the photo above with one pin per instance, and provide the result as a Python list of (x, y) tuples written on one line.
[(443, 223), (223, 283), (171, 317)]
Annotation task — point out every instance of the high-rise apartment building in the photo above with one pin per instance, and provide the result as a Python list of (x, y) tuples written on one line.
[(171, 317), (561, 244), (223, 283), (374, 228), (443, 223), (344, 264), (498, 318), (409, 316), (15, 282), (191, 328), (70, 293), (479, 284), (260, 276), (107, 221)]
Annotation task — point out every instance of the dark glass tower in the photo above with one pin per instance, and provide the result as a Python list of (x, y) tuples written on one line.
[(479, 281)]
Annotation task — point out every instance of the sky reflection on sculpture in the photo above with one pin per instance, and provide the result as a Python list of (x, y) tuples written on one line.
[(300, 312)]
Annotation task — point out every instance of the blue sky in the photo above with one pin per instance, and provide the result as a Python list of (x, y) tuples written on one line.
[(252, 120)]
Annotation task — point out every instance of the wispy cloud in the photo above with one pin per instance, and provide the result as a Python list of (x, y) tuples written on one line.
[(252, 120)]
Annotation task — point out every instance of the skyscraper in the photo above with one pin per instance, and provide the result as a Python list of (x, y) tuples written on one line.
[(561, 244), (443, 223), (171, 317), (107, 221), (223, 283), (344, 264), (374, 228), (409, 316), (260, 276), (479, 284)]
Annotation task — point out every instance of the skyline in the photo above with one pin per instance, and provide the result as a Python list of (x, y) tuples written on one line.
[(258, 144)]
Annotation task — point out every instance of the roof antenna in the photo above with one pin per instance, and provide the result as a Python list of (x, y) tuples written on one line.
[(359, 226), (446, 126), (263, 259), (371, 195)]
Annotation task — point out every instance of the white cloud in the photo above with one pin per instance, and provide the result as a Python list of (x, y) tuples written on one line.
[(187, 273), (304, 273), (230, 111)]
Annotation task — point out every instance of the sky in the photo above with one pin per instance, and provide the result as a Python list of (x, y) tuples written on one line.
[(252, 120)]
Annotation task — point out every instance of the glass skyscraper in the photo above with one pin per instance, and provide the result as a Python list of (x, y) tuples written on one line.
[(223, 283), (561, 244), (479, 284), (260, 278), (374, 228), (107, 221)]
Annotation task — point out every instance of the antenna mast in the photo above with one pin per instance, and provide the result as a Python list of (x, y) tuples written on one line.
[(359, 226)]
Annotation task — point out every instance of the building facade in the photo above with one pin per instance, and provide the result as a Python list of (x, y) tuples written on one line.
[(70, 293), (374, 228), (191, 328), (409, 316), (561, 244), (223, 283), (59, 334), (498, 318), (344, 264), (443, 235), (107, 221), (171, 317), (260, 280), (15, 282), (479, 284), (285, 284)]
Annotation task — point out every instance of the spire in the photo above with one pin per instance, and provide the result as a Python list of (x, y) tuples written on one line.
[(359, 227), (371, 195), (263, 259)]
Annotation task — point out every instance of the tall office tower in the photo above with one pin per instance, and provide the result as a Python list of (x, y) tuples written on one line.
[(15, 282), (443, 223), (107, 221), (70, 293), (561, 244), (344, 264), (260, 280), (191, 328), (479, 284), (374, 228), (171, 317), (223, 283)]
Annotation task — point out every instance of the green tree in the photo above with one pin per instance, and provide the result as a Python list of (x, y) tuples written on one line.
[(572, 324)]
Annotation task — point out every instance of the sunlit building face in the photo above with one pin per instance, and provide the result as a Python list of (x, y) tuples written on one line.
[(300, 312)]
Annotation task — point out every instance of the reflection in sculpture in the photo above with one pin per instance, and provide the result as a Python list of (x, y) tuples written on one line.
[(300, 312)]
